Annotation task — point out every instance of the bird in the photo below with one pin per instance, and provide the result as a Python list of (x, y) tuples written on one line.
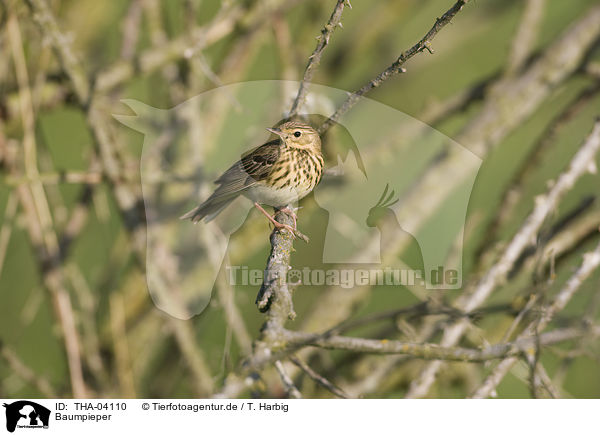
[(277, 173)]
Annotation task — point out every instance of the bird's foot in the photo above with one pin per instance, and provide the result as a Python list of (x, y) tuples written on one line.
[(291, 212), (279, 226)]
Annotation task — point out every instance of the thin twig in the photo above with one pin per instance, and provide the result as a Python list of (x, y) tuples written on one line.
[(290, 388), (591, 261), (62, 47), (522, 43), (233, 316), (127, 196), (7, 225), (318, 378), (315, 58), (90, 339), (436, 351), (39, 219), (396, 66), (544, 205), (514, 191), (120, 346), (523, 94), (131, 29), (193, 355), (234, 16), (24, 372)]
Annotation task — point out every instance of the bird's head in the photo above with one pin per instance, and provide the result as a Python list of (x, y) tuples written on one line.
[(298, 135)]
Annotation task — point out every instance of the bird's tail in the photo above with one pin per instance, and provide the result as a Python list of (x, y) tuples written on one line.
[(208, 210)]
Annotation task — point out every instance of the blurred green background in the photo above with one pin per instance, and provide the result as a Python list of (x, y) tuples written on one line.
[(472, 50)]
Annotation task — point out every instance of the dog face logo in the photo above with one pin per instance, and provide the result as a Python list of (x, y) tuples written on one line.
[(26, 414), (189, 146)]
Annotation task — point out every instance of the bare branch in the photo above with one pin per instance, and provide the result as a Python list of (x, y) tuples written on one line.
[(396, 67), (25, 373), (7, 226), (318, 378), (121, 348), (545, 204), (274, 287), (514, 192), (524, 39), (315, 58), (435, 351), (39, 219), (233, 316), (131, 29), (128, 198), (524, 94), (290, 388), (62, 46), (232, 16), (591, 261)]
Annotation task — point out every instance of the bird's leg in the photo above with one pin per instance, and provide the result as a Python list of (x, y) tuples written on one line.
[(277, 225), (291, 212)]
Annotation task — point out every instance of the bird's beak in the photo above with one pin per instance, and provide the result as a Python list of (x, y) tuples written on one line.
[(277, 131)]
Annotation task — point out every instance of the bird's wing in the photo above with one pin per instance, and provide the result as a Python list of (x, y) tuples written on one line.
[(254, 166)]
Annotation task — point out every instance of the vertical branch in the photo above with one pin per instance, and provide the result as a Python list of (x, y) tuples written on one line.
[(121, 348), (90, 340), (7, 225), (39, 218), (233, 316), (128, 198), (524, 39), (275, 296), (184, 335), (62, 47), (131, 29), (315, 58)]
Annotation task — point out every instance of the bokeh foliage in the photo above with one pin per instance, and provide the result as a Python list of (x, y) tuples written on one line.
[(470, 51)]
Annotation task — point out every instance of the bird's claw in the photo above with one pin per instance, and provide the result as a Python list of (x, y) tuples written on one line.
[(293, 231)]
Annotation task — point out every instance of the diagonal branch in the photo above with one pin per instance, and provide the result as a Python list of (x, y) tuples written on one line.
[(545, 204), (290, 388), (128, 198), (591, 262), (524, 95), (324, 382), (26, 373), (396, 66)]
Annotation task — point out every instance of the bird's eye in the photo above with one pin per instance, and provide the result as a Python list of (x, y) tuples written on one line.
[(297, 134)]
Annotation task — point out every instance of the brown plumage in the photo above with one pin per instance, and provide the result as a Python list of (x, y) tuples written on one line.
[(278, 173)]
